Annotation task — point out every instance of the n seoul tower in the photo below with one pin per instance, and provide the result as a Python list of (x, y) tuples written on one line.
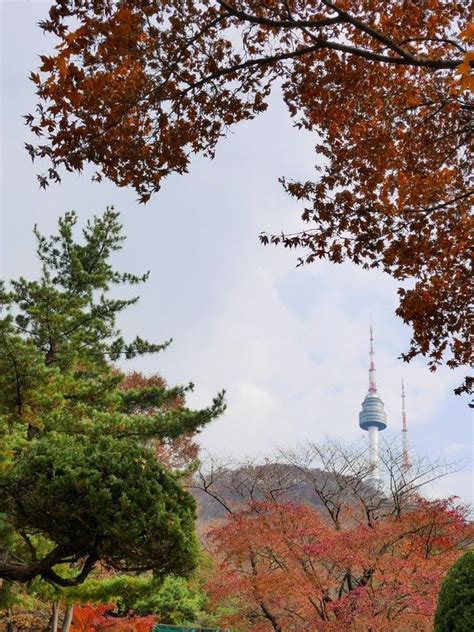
[(373, 417)]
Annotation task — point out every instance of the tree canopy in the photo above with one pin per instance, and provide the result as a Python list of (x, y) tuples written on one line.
[(135, 88), (80, 483), (282, 566)]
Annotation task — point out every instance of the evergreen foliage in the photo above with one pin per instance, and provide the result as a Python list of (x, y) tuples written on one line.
[(455, 612), (79, 479), (176, 601)]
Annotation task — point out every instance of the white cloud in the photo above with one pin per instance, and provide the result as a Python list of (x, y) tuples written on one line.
[(455, 448)]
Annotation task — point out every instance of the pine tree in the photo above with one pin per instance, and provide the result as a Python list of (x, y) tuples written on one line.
[(80, 483)]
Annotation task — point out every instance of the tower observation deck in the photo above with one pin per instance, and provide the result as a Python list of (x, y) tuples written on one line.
[(373, 417)]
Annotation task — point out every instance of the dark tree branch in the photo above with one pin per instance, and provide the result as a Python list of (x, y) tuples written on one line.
[(441, 40), (380, 37), (435, 64), (404, 56), (255, 19), (30, 546), (13, 571), (61, 554), (56, 579)]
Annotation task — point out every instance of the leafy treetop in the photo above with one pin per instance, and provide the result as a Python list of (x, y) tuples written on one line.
[(135, 88)]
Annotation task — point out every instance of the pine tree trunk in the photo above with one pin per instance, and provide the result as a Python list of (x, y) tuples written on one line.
[(10, 624), (67, 618), (55, 617)]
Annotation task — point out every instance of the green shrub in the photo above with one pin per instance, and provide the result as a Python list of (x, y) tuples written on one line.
[(455, 612)]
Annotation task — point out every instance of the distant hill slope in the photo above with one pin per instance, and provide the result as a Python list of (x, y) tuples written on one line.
[(226, 489)]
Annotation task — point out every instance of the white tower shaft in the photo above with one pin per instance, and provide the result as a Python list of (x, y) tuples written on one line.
[(374, 451)]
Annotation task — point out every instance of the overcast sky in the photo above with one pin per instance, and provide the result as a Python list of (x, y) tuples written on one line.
[(290, 345)]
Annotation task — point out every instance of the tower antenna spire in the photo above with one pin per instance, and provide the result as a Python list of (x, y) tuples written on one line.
[(372, 381), (405, 456)]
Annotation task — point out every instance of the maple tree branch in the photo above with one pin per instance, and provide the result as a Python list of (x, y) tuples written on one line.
[(435, 64), (321, 45), (321, 613), (310, 233), (441, 40), (263, 606), (189, 42), (405, 57), (361, 26), (291, 23)]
